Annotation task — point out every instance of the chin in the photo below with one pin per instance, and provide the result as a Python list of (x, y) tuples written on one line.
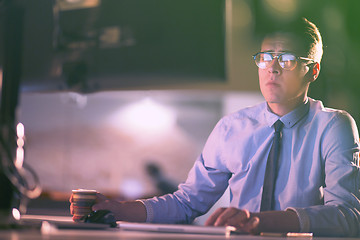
[(273, 99)]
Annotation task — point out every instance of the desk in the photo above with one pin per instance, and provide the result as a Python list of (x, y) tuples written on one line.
[(110, 234)]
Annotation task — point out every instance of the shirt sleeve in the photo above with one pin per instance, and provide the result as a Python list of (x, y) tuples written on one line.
[(204, 186), (340, 214)]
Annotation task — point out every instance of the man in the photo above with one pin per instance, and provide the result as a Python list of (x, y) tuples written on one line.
[(316, 173)]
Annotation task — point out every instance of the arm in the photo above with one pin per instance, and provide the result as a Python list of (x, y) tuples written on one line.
[(132, 211), (206, 182), (340, 214), (202, 189)]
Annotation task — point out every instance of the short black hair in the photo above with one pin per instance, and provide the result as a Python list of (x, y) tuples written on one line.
[(306, 32)]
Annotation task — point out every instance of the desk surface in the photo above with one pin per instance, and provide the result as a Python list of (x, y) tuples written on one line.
[(50, 233), (110, 235)]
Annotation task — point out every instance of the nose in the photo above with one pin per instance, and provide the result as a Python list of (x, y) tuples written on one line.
[(274, 66)]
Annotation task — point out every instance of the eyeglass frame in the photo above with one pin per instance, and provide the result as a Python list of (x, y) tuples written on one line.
[(282, 53)]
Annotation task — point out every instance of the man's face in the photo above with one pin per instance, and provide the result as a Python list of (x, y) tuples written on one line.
[(280, 86)]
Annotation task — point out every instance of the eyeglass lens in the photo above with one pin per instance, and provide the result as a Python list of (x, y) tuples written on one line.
[(286, 60)]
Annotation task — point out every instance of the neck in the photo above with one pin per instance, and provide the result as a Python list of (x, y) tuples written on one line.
[(282, 109)]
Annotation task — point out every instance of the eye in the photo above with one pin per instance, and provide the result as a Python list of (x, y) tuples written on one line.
[(287, 61), (287, 57), (267, 57), (262, 60)]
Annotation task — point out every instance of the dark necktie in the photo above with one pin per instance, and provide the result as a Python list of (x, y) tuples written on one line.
[(267, 200)]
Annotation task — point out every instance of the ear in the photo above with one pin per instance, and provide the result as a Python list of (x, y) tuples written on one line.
[(314, 71)]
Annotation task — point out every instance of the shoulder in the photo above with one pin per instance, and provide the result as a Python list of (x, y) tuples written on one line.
[(317, 109), (331, 118)]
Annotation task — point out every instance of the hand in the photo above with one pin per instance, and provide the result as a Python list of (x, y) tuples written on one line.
[(104, 203), (242, 220), (133, 211)]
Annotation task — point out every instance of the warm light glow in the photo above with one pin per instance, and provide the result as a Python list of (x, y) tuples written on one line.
[(16, 214), (20, 142), (283, 9), (48, 228), (19, 157), (144, 117), (283, 6), (65, 5), (132, 188), (20, 130)]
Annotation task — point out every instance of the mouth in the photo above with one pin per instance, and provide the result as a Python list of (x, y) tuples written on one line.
[(272, 84)]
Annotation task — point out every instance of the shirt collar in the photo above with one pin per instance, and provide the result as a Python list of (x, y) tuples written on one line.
[(289, 119)]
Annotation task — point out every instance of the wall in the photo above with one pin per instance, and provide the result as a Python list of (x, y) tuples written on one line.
[(105, 140)]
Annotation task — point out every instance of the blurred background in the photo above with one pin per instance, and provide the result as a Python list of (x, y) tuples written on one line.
[(120, 95)]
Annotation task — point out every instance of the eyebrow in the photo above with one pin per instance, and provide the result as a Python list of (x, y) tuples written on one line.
[(278, 51)]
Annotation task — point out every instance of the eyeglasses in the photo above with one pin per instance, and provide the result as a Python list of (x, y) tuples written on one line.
[(287, 61)]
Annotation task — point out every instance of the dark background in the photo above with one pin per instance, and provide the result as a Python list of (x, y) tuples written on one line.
[(167, 43), (156, 42)]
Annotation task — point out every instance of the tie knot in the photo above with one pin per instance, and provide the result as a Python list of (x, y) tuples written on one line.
[(278, 125)]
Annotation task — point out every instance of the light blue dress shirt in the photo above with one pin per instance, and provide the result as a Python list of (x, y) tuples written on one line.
[(319, 174)]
